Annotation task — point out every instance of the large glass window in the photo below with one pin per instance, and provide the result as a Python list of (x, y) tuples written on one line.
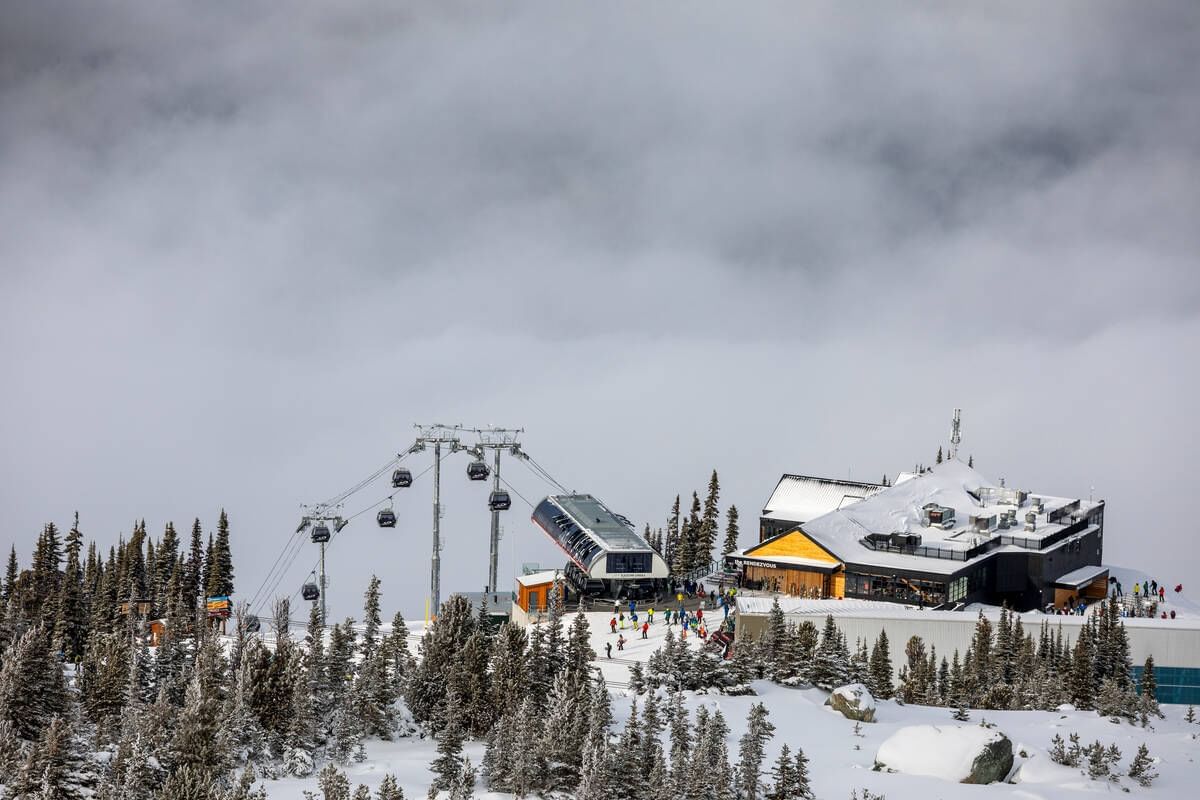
[(896, 588), (628, 562)]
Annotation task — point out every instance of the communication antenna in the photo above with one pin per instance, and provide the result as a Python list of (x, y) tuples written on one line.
[(955, 434)]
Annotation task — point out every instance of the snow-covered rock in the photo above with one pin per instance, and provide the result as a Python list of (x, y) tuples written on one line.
[(959, 753), (853, 701)]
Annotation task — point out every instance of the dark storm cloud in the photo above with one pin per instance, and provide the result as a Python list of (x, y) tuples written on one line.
[(247, 244)]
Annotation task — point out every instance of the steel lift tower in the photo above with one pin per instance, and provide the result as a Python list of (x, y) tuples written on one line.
[(436, 435), (496, 440), (319, 518)]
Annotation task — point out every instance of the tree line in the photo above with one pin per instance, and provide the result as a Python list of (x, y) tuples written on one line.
[(688, 541), (1005, 667)]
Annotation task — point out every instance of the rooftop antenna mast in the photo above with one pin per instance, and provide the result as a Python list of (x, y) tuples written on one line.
[(955, 433)]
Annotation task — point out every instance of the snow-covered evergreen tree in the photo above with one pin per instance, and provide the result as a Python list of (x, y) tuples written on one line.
[(880, 672), (448, 764), (1141, 767), (463, 785), (54, 767), (731, 531), (528, 766), (751, 748), (831, 666), (389, 789), (333, 783), (32, 688)]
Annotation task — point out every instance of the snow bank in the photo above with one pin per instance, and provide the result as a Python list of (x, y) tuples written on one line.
[(949, 752)]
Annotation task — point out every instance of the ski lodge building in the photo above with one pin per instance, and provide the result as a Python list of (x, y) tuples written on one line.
[(945, 537), (1174, 643)]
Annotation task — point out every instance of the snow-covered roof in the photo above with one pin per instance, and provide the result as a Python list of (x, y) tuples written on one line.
[(1082, 576), (803, 608), (954, 485), (799, 498), (754, 605), (537, 578)]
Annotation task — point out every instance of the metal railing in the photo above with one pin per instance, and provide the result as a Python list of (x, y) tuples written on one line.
[(1025, 542)]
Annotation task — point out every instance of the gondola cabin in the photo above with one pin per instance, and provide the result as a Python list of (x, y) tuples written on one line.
[(478, 471), (320, 534), (499, 501), (310, 592), (401, 478), (386, 518)]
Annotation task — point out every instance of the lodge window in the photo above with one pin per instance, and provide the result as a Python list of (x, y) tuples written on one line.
[(628, 562), (896, 588)]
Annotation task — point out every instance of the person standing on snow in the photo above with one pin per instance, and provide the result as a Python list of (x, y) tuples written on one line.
[(645, 627), (650, 615), (621, 642), (621, 617), (612, 623), (608, 649)]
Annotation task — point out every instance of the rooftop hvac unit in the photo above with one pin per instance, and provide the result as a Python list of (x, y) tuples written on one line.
[(1004, 522), (1031, 522), (936, 515), (982, 523)]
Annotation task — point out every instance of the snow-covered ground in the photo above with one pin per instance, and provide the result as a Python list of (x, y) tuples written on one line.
[(841, 759)]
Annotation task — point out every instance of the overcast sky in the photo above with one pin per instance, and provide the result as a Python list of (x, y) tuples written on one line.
[(244, 246)]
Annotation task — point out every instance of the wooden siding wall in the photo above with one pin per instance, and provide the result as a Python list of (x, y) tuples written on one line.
[(799, 582), (543, 596), (797, 544)]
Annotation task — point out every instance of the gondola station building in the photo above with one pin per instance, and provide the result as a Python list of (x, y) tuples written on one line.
[(944, 537)]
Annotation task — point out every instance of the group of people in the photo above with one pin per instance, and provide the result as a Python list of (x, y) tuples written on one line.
[(688, 622), (1145, 600)]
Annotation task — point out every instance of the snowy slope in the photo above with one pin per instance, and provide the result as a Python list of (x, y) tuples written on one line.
[(840, 759)]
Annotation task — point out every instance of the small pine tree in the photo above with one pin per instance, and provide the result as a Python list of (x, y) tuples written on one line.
[(750, 750), (448, 764), (880, 682), (1190, 716), (1058, 751), (1149, 680), (1141, 768), (731, 531), (333, 783), (463, 786), (803, 790), (389, 789), (783, 777), (1097, 760)]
